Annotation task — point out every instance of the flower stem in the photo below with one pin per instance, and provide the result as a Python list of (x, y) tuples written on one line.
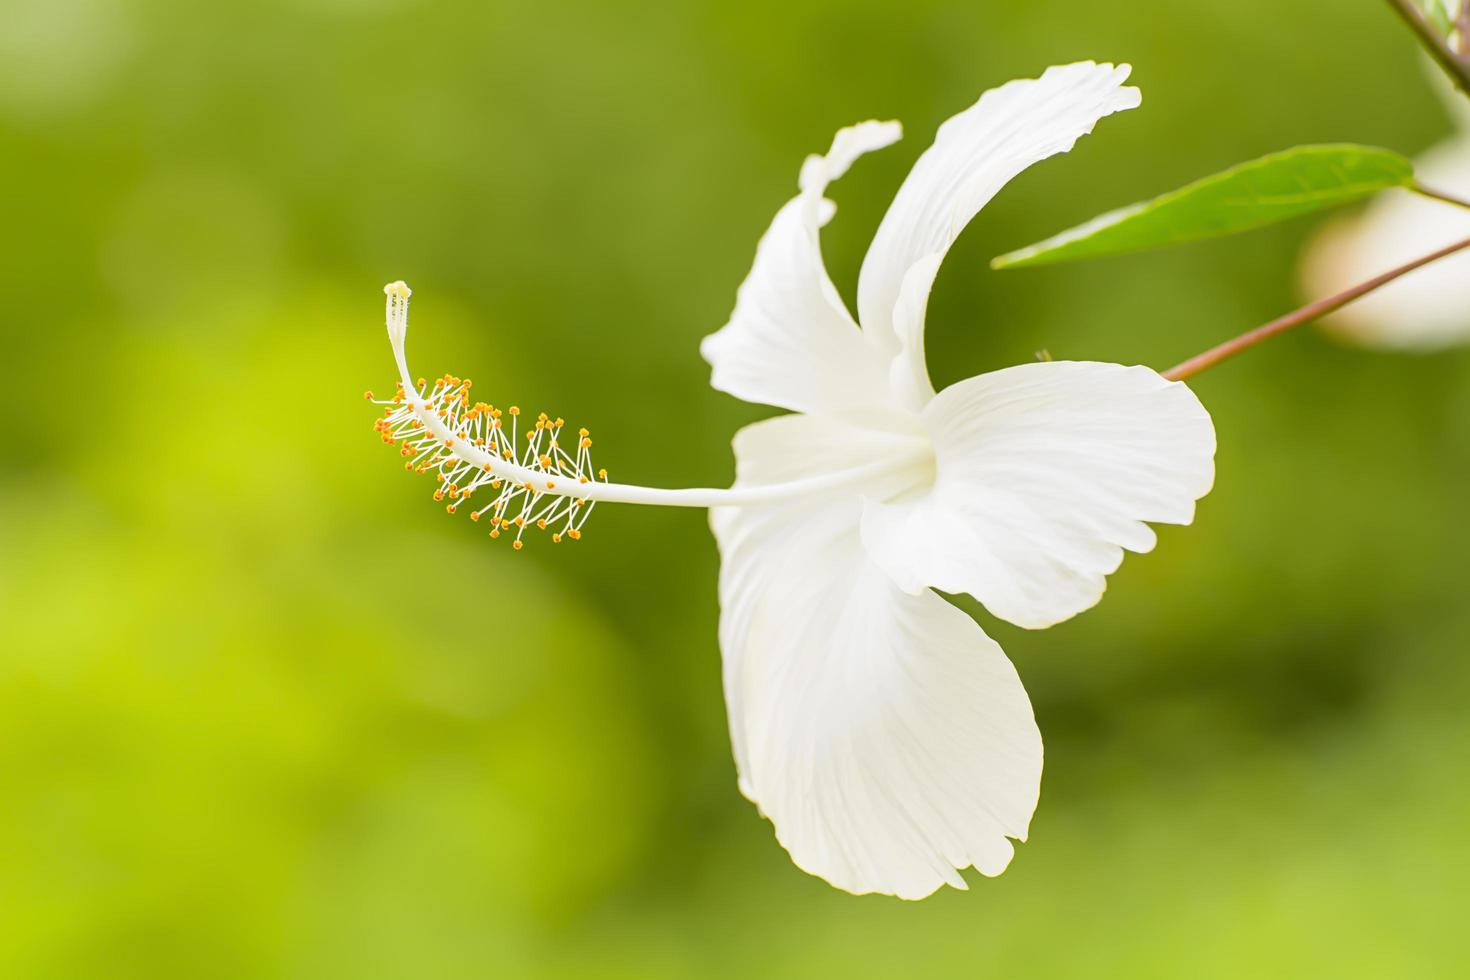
[(1455, 64), (1306, 314), (1440, 195)]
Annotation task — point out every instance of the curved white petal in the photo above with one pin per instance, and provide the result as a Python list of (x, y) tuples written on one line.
[(790, 341), (1044, 474), (885, 736), (974, 155), (908, 374), (1430, 307)]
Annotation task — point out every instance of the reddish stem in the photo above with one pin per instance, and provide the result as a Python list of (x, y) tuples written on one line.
[(1306, 314), (1454, 63)]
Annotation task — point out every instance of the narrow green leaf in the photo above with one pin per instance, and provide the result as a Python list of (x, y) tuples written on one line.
[(1262, 192)]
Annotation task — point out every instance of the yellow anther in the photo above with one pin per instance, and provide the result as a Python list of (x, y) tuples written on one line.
[(471, 425), (556, 539), (516, 545)]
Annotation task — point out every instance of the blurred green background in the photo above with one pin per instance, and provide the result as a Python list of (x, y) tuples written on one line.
[(266, 711)]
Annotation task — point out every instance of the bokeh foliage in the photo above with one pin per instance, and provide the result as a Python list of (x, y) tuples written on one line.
[(265, 711)]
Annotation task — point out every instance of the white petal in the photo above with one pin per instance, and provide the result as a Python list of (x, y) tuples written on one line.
[(1430, 307), (1044, 473), (908, 375), (790, 341), (885, 736), (974, 155)]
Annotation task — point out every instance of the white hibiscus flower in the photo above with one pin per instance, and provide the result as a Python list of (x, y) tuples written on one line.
[(884, 734), (886, 737)]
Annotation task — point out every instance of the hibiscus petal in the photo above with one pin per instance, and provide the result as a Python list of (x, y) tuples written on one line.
[(974, 155), (1044, 474), (908, 374), (790, 341), (885, 736)]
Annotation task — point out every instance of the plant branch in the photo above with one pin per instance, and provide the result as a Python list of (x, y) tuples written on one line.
[(1439, 195), (1455, 64), (1306, 314)]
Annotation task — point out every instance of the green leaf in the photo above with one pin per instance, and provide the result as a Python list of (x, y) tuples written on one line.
[(1262, 192)]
